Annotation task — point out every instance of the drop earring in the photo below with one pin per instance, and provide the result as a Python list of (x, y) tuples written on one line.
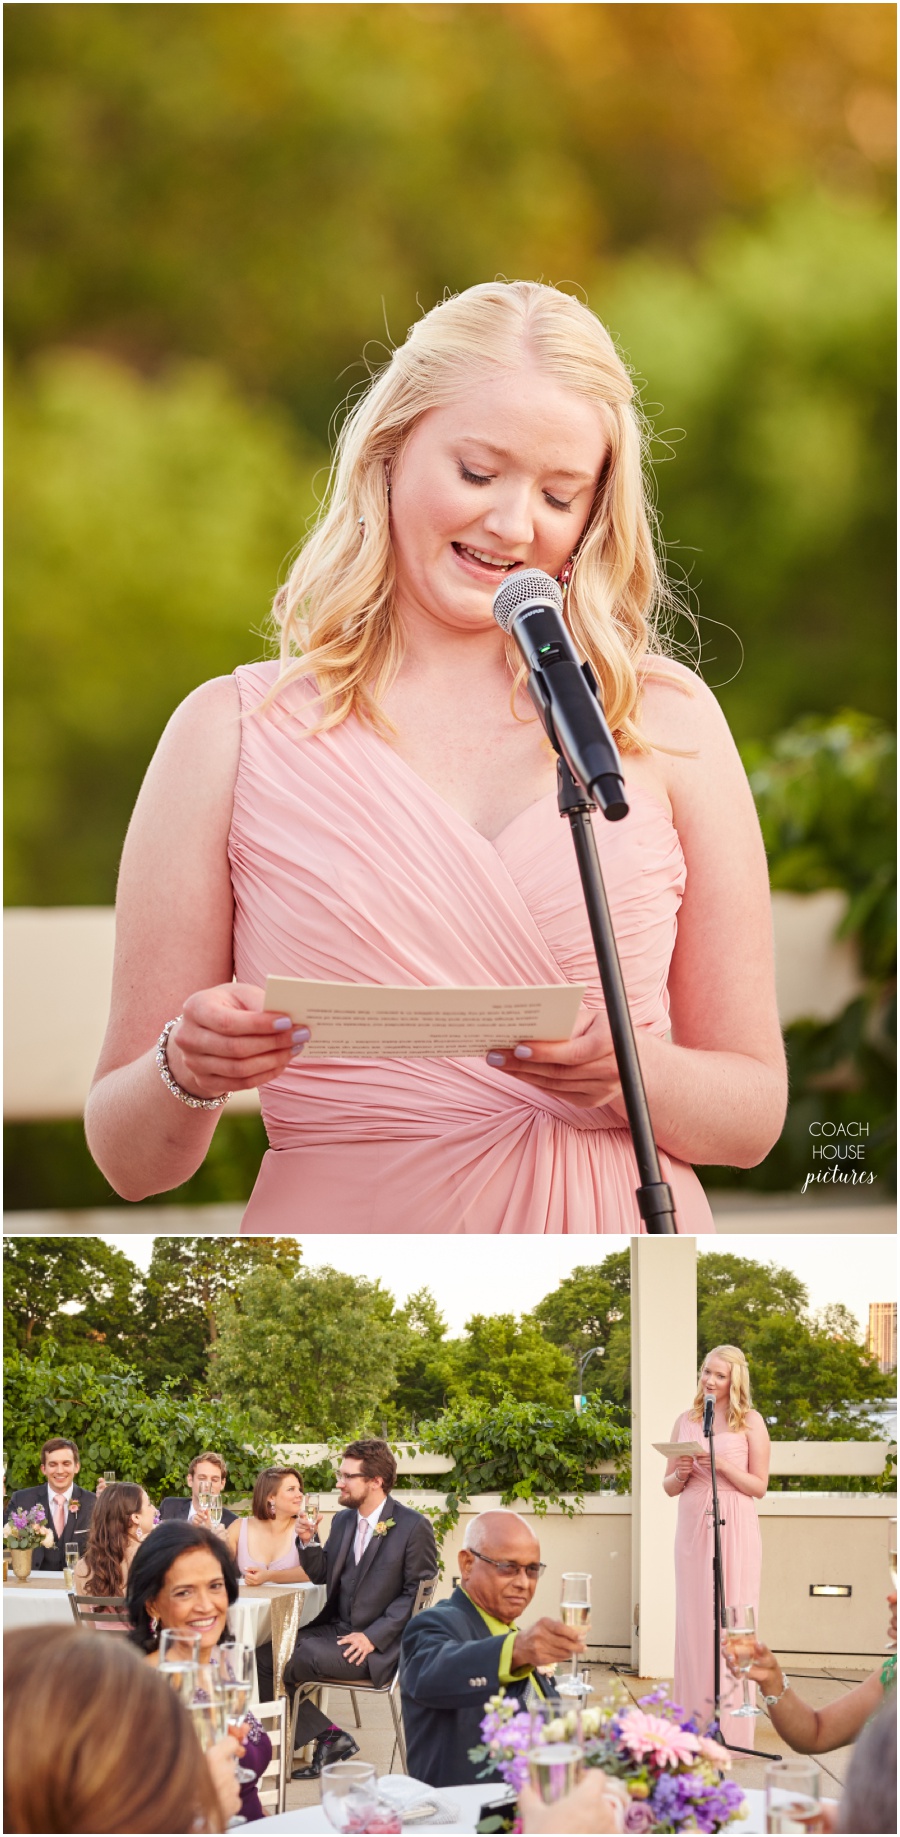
[(565, 574)]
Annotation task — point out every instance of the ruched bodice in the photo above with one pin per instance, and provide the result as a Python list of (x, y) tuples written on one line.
[(348, 867)]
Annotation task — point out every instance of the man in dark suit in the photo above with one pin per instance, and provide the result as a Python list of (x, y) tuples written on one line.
[(461, 1652), (67, 1507), (378, 1551), (207, 1473)]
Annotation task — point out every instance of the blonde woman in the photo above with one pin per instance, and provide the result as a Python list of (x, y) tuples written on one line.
[(742, 1473), (380, 807)]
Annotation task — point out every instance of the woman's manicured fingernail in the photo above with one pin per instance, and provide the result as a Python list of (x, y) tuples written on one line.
[(522, 1052), (282, 1024), (297, 1050), (300, 1036), (496, 1058)]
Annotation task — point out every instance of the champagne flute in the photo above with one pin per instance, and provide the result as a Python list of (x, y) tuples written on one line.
[(575, 1611), (70, 1554), (555, 1756), (232, 1669), (204, 1497), (109, 1476), (740, 1638), (209, 1716), (179, 1656), (215, 1508)]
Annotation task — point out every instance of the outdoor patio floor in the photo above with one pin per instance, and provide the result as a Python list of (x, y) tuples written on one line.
[(376, 1737)]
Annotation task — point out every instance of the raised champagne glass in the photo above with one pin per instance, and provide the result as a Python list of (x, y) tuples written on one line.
[(574, 1611), (179, 1656), (739, 1641)]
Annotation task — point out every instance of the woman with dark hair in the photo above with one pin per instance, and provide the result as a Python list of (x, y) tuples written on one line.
[(94, 1742), (122, 1517), (184, 1577), (266, 1543)]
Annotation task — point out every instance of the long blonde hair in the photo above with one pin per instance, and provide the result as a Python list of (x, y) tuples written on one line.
[(739, 1392), (335, 611)]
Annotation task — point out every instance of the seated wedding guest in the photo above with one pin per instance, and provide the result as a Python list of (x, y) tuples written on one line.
[(460, 1652), (869, 1799), (67, 1506), (818, 1731), (207, 1473), (122, 1518), (265, 1545), (378, 1551), (183, 1577), (93, 1741)]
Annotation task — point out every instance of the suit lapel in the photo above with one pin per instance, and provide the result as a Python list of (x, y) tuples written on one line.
[(348, 1532)]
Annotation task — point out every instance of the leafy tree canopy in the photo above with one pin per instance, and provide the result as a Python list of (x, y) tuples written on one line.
[(82, 1290), (148, 1435)]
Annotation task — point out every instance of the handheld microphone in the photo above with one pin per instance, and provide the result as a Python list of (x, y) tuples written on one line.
[(709, 1410), (529, 606)]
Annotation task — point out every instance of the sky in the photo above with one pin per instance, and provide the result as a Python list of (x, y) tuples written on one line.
[(494, 1276)]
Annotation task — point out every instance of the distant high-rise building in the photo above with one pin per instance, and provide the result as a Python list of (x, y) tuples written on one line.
[(881, 1339)]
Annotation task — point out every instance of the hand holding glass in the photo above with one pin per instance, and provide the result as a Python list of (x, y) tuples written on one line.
[(575, 1611), (740, 1639)]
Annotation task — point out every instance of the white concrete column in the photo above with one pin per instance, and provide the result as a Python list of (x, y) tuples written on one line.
[(663, 1382)]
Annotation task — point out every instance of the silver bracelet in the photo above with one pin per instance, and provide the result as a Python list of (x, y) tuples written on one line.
[(193, 1103), (785, 1685)]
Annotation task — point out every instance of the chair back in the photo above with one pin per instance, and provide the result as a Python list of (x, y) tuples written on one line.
[(273, 1782), (425, 1594), (100, 1613)]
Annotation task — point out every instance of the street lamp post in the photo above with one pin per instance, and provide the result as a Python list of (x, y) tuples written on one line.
[(581, 1360)]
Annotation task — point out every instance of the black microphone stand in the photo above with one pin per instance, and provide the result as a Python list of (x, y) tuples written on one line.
[(655, 1200), (719, 1613)]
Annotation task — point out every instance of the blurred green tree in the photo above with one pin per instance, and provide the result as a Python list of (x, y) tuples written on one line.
[(502, 1356), (188, 1282), (151, 522)]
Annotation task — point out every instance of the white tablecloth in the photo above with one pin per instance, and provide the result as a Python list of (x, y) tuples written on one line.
[(470, 1800), (43, 1598), (33, 1603)]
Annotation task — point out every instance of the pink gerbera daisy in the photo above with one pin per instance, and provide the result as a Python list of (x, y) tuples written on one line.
[(653, 1738)]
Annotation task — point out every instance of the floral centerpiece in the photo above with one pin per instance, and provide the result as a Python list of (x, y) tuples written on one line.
[(662, 1768), (27, 1530)]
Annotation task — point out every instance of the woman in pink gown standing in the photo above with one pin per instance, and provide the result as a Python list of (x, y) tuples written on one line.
[(380, 807), (742, 1474)]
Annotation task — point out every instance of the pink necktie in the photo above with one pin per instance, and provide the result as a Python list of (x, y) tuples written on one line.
[(363, 1535), (59, 1514)]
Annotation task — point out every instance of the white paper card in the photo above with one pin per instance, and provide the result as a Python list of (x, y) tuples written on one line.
[(351, 1020), (674, 1451)]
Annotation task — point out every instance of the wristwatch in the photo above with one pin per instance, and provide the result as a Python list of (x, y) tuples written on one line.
[(785, 1685)]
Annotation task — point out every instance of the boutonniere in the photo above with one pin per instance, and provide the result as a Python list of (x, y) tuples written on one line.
[(383, 1526)]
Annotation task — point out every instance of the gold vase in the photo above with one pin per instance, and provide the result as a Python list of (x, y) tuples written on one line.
[(21, 1561)]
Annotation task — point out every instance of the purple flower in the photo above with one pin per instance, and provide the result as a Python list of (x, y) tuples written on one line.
[(19, 1519), (37, 1515)]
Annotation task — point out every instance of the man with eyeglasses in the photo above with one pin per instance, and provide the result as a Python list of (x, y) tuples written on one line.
[(378, 1551), (462, 1651)]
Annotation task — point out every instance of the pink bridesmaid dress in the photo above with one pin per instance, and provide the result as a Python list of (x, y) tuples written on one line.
[(741, 1566), (348, 867)]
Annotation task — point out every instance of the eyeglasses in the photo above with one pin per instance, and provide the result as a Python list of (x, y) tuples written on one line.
[(534, 1571), (350, 1476)]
